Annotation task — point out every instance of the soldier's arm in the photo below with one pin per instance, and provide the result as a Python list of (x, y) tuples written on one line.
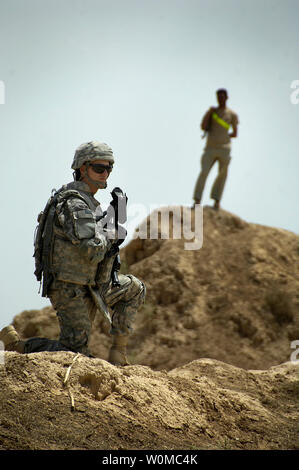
[(79, 224), (206, 119), (235, 122)]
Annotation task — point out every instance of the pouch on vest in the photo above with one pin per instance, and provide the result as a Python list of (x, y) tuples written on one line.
[(84, 223)]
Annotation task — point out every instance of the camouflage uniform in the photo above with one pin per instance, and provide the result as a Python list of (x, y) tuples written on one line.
[(80, 263), (80, 260)]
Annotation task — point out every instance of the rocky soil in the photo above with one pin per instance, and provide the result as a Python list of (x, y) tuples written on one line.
[(210, 354)]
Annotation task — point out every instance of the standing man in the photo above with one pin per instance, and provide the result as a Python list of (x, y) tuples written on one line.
[(75, 256), (216, 123)]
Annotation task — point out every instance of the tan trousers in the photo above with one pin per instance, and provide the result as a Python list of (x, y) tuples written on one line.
[(209, 157)]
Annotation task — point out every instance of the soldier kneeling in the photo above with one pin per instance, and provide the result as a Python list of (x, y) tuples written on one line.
[(75, 254)]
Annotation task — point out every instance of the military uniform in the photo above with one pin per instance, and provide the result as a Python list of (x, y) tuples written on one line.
[(80, 257), (80, 260)]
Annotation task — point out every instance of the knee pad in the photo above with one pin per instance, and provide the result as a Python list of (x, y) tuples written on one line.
[(138, 288)]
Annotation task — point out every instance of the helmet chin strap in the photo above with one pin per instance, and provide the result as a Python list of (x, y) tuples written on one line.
[(97, 184)]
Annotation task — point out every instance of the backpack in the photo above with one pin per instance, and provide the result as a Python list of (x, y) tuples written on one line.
[(42, 243), (43, 237)]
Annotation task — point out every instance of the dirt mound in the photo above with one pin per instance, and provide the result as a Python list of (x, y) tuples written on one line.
[(235, 300), (210, 352), (205, 404)]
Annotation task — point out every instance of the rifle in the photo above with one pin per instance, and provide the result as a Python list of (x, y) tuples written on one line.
[(115, 215)]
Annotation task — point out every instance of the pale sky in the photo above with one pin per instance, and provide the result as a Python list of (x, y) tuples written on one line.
[(139, 75)]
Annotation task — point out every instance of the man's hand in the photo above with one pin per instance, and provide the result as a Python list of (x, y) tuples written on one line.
[(116, 236), (234, 133), (111, 234)]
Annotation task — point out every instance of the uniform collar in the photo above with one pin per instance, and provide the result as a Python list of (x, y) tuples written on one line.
[(80, 185)]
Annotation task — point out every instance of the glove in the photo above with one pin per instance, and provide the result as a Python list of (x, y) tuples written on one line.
[(111, 235)]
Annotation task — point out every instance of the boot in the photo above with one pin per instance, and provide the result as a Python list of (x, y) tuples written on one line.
[(216, 205), (196, 201), (118, 351), (11, 340)]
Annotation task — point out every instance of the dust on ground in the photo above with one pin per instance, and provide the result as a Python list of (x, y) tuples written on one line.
[(210, 354)]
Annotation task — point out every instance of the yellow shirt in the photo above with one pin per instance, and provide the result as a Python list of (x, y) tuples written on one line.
[(218, 136)]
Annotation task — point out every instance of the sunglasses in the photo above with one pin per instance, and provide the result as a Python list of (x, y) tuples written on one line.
[(100, 168)]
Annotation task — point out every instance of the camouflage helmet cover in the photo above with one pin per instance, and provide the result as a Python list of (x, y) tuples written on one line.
[(92, 151)]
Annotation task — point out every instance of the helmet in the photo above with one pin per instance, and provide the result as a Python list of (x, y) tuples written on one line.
[(92, 151)]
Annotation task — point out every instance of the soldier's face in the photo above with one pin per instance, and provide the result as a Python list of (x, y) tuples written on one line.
[(100, 177)]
